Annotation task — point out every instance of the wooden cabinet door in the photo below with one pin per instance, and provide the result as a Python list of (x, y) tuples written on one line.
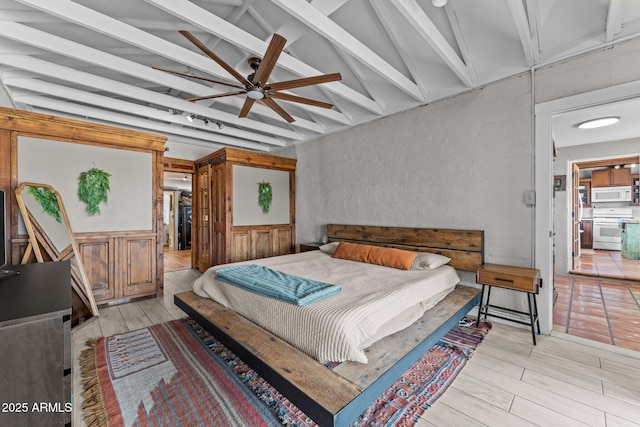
[(97, 255), (600, 178), (219, 194), (140, 272), (200, 215), (620, 177)]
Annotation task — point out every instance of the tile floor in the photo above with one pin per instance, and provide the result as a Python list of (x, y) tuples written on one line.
[(608, 264), (598, 309)]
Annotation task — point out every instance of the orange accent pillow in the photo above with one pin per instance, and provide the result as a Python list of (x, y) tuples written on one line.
[(388, 257)]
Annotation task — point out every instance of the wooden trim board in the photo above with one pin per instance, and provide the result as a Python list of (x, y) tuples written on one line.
[(330, 397)]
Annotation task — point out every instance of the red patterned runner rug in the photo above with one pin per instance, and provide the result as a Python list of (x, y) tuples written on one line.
[(177, 374)]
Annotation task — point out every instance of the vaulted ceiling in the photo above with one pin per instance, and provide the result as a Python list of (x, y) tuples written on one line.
[(95, 59)]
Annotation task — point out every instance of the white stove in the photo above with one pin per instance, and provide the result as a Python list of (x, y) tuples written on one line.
[(607, 232)]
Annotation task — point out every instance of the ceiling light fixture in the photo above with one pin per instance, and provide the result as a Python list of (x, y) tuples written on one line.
[(438, 3), (205, 121), (190, 117), (256, 92), (599, 122), (220, 125)]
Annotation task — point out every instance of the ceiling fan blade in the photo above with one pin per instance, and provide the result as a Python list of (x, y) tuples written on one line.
[(242, 79), (269, 60), (248, 103), (278, 109), (177, 73), (305, 81), (294, 98), (220, 95)]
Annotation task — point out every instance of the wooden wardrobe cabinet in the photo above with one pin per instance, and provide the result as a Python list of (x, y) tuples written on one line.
[(218, 240)]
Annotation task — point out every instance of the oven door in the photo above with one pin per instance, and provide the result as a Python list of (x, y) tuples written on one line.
[(607, 235)]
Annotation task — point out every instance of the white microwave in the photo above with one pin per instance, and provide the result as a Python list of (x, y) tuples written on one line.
[(611, 194)]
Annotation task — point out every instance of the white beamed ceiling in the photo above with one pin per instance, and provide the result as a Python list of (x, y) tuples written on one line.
[(93, 59)]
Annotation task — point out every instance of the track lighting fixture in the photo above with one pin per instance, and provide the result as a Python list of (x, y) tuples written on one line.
[(219, 124), (190, 117), (205, 121)]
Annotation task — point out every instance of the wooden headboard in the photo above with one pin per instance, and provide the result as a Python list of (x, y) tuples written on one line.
[(464, 247)]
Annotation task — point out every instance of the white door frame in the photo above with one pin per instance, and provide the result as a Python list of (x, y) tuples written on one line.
[(543, 161)]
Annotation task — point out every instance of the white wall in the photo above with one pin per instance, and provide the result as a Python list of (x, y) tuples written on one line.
[(129, 205)]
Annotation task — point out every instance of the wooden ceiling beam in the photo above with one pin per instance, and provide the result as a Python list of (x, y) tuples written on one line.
[(126, 107), (129, 91), (116, 118), (419, 20), (213, 24), (343, 40), (461, 39), (104, 24), (522, 25), (381, 11), (81, 52)]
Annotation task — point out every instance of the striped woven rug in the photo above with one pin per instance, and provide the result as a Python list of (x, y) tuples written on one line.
[(177, 374)]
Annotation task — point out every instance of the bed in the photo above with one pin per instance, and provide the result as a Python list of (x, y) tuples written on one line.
[(337, 396)]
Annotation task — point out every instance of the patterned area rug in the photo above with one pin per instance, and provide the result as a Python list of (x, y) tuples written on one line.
[(177, 374)]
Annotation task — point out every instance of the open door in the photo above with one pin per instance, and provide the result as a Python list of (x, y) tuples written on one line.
[(576, 216)]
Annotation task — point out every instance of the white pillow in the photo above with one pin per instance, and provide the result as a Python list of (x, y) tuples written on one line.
[(329, 248), (429, 261)]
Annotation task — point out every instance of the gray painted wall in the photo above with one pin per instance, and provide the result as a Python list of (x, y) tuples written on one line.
[(463, 162)]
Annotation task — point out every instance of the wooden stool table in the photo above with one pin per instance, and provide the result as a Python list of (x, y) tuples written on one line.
[(515, 278)]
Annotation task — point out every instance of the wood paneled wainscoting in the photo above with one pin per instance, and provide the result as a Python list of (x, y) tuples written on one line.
[(122, 247), (119, 265)]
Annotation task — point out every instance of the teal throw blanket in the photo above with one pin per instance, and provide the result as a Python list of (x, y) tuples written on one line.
[(265, 281)]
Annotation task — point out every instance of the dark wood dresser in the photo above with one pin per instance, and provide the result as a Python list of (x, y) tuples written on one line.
[(35, 345)]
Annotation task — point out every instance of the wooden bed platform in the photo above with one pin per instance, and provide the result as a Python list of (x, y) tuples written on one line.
[(336, 397)]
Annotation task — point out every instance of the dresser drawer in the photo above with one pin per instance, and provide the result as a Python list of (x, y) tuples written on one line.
[(509, 277)]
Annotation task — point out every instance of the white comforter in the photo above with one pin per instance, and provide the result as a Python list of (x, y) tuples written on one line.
[(374, 302)]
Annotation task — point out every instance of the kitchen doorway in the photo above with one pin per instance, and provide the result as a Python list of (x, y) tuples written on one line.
[(546, 231), (600, 220)]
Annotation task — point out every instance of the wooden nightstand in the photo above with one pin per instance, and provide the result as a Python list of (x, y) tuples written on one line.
[(515, 278), (313, 246)]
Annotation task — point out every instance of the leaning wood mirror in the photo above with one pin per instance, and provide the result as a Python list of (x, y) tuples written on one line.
[(47, 224)]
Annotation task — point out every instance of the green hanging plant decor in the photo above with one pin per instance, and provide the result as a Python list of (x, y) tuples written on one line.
[(265, 196), (47, 200), (93, 189)]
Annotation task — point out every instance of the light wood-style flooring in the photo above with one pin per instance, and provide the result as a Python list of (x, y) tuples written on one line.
[(563, 381)]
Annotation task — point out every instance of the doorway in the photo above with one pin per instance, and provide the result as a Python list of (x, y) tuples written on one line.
[(547, 231), (177, 221)]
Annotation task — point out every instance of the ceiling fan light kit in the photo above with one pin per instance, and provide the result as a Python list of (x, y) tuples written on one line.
[(256, 86)]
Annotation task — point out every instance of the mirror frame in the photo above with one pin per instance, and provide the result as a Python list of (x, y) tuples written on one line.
[(38, 238)]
